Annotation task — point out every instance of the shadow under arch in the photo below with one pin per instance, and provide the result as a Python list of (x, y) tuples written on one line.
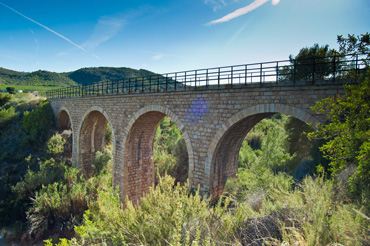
[(65, 128), (91, 137), (137, 149), (222, 156), (63, 119)]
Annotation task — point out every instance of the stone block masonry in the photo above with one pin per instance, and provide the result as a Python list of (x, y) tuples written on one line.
[(212, 122)]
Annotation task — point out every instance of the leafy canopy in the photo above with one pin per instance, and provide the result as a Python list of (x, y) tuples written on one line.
[(348, 131)]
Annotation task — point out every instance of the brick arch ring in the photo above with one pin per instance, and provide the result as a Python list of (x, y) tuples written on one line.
[(256, 109), (179, 124), (69, 115), (82, 119)]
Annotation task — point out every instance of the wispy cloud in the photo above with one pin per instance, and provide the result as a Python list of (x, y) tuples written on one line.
[(216, 4), (105, 29), (45, 27), (242, 11), (156, 56)]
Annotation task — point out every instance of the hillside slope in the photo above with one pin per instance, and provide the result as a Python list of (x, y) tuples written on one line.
[(83, 76), (86, 76), (37, 78)]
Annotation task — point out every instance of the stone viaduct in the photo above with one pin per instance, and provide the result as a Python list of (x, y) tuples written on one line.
[(212, 122)]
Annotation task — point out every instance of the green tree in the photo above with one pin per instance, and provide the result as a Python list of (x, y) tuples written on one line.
[(312, 63), (348, 133), (353, 45), (38, 122), (11, 90), (4, 99)]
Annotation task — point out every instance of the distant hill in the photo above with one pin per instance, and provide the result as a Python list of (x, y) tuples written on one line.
[(86, 76), (83, 76), (37, 78)]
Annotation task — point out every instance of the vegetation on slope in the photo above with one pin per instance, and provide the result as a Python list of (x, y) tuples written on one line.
[(87, 76), (37, 78)]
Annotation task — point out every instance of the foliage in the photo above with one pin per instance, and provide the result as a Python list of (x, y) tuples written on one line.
[(170, 152), (36, 78), (348, 133), (165, 216), (253, 186), (86, 76), (49, 172), (56, 144), (108, 134), (269, 139), (7, 117), (312, 216), (10, 90), (59, 205), (311, 63), (36, 122), (355, 45), (4, 98), (102, 159)]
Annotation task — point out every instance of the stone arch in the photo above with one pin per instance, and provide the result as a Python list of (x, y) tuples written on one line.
[(63, 119), (137, 146), (91, 137), (222, 156)]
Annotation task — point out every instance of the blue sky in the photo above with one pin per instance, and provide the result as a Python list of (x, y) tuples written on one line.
[(168, 36)]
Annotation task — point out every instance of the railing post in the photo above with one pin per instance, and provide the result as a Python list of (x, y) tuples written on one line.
[(166, 82), (357, 64), (277, 72), (218, 83), (175, 81), (158, 83), (334, 69), (195, 79), (150, 83), (261, 74), (232, 75), (246, 74), (294, 70), (313, 71), (185, 80), (207, 79)]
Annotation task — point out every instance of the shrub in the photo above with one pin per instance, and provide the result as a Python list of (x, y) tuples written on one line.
[(4, 99), (57, 207), (50, 172), (102, 159), (7, 117), (316, 217), (165, 216), (56, 144), (38, 122)]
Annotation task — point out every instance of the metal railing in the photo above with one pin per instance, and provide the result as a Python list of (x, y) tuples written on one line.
[(282, 73)]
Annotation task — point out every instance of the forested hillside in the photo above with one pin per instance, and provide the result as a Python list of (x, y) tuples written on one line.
[(86, 76), (37, 78), (83, 76)]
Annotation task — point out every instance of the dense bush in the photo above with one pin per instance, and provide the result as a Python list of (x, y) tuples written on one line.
[(59, 206), (170, 152), (7, 117), (4, 98), (165, 216), (38, 122)]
